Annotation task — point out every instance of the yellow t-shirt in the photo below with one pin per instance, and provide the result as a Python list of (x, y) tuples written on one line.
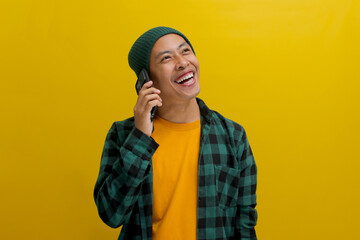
[(175, 179)]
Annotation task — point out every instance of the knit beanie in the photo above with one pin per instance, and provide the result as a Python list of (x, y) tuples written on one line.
[(139, 55)]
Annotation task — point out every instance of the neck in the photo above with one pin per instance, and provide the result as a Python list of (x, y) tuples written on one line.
[(180, 112)]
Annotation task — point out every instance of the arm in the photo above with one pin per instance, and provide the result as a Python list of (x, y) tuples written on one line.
[(125, 163), (246, 215)]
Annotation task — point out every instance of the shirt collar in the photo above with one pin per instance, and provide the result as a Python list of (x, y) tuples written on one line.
[(205, 112)]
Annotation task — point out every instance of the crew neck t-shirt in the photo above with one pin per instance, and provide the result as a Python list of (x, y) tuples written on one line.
[(175, 179)]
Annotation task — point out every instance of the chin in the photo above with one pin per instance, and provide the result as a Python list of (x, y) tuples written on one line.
[(193, 95)]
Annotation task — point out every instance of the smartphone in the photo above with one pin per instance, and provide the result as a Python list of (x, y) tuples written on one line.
[(142, 79)]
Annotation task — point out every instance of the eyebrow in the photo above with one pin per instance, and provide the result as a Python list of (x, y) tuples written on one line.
[(167, 51)]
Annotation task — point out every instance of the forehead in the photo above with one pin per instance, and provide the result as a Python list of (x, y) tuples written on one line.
[(167, 42)]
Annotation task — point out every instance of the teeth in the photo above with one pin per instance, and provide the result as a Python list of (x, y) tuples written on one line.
[(187, 76)]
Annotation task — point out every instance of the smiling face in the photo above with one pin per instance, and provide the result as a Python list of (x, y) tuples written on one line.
[(174, 69)]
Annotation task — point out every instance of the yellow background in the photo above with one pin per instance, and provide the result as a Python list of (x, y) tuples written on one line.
[(287, 70)]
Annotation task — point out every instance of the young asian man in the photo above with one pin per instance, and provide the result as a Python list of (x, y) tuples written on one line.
[(189, 173)]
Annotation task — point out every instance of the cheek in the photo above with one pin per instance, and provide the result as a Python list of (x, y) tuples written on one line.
[(165, 74), (195, 62), (161, 78)]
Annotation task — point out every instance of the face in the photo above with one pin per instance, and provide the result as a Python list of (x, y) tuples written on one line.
[(174, 69)]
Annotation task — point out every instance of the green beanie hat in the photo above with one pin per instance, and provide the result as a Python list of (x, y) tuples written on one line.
[(139, 54)]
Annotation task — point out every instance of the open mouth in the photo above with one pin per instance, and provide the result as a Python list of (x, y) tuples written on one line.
[(186, 79)]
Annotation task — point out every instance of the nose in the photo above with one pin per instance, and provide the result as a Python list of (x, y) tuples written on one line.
[(181, 63)]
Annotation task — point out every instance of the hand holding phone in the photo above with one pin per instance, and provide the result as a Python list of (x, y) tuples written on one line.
[(142, 79), (146, 104)]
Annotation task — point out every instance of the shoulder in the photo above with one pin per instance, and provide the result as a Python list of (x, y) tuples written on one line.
[(120, 129), (226, 122), (124, 125), (235, 130), (222, 125)]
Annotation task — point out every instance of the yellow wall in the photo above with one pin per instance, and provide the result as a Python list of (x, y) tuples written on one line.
[(287, 70)]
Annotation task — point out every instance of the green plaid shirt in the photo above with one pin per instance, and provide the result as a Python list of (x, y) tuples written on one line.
[(226, 180)]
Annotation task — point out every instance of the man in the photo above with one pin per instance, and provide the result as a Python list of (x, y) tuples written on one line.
[(189, 173)]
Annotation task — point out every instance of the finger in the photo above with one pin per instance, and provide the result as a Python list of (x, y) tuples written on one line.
[(152, 104), (147, 85), (143, 88), (150, 90), (144, 100), (145, 92), (141, 99), (151, 97)]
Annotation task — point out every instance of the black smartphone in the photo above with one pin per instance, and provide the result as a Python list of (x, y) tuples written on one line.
[(142, 79)]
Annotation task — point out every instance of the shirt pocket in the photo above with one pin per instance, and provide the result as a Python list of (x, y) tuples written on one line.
[(227, 185)]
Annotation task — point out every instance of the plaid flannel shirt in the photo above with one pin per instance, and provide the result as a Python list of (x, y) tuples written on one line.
[(227, 180)]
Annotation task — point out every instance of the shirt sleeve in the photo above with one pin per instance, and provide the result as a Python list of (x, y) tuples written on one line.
[(125, 164), (246, 215)]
